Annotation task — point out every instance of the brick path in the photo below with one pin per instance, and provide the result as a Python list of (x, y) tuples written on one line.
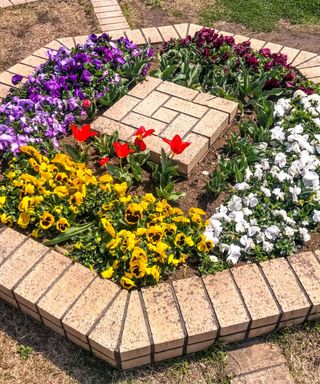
[(258, 364)]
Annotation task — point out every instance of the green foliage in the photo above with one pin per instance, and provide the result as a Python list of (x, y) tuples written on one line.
[(132, 171), (104, 143), (25, 352), (163, 174)]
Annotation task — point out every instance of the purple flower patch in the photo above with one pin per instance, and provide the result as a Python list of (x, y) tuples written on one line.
[(42, 109)]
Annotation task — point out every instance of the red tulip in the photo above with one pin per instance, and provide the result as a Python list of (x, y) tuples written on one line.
[(141, 134), (86, 103), (176, 144), (83, 133), (103, 161), (122, 150)]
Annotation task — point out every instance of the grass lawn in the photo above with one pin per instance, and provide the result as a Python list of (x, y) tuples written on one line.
[(261, 15)]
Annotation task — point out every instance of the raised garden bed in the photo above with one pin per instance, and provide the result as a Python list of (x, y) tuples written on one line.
[(147, 239)]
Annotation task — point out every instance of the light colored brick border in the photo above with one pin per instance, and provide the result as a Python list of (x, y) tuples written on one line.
[(131, 329), (108, 13), (174, 318)]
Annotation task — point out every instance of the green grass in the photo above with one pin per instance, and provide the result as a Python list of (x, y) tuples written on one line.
[(262, 15)]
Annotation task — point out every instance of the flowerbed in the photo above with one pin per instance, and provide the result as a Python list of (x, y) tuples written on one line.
[(70, 87), (214, 63), (271, 211), (269, 173), (134, 240)]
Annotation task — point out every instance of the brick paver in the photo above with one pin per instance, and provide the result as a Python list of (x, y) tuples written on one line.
[(224, 295), (290, 295), (258, 364)]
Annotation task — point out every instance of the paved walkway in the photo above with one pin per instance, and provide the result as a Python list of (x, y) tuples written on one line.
[(258, 364)]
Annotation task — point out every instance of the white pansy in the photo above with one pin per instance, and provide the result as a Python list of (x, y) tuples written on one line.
[(248, 174), (246, 211), (305, 234), (247, 243), (288, 231), (237, 216), (242, 186), (295, 192), (311, 180), (235, 203), (299, 93), (260, 237), (258, 172), (316, 216), (266, 191), (278, 194), (272, 232), (234, 254), (267, 246), (253, 230), (280, 159), (213, 259), (277, 133), (265, 165)]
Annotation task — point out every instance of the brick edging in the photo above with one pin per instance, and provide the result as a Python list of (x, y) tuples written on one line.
[(131, 329)]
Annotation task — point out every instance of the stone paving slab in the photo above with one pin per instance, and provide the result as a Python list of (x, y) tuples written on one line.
[(258, 364)]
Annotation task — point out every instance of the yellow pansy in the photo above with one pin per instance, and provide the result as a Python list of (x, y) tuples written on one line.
[(62, 224), (24, 204), (155, 234), (46, 220), (205, 245), (29, 189), (108, 273), (181, 240), (125, 199), (6, 219), (127, 283), (108, 227), (197, 211), (34, 164), (180, 219), (172, 260), (24, 220), (133, 213), (154, 271), (77, 198), (61, 191), (149, 198), (120, 189), (160, 249), (2, 201)]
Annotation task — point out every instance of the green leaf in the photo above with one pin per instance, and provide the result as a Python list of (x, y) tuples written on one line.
[(73, 231), (73, 152)]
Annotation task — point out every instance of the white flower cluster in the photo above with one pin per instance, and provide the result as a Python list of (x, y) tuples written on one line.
[(271, 212)]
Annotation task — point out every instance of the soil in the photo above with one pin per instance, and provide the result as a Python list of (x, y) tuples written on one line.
[(28, 27), (140, 15)]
